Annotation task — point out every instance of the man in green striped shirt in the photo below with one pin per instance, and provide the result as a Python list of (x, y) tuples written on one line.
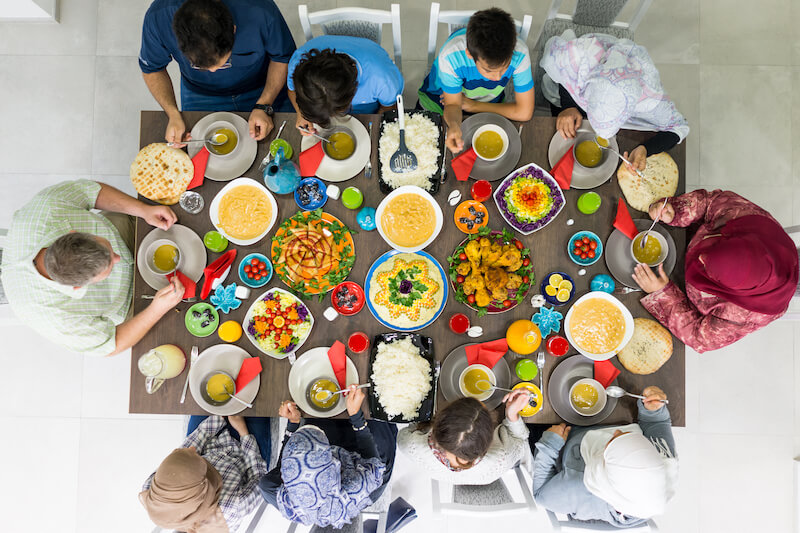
[(68, 271)]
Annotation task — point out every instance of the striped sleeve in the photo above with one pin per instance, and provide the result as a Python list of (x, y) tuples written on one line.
[(523, 78)]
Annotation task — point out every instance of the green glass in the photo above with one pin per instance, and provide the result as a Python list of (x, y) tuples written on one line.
[(526, 369), (589, 202), (352, 198), (280, 143), (215, 241)]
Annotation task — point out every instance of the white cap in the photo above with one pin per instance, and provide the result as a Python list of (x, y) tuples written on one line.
[(330, 313), (242, 292), (333, 191)]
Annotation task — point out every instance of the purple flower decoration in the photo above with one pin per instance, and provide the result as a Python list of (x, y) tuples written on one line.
[(406, 286)]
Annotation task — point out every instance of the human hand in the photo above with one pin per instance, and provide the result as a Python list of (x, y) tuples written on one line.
[(260, 124), (303, 124), (667, 214), (515, 402), (289, 410), (159, 216), (454, 140), (653, 395), (176, 131), (469, 105), (237, 423), (568, 122), (562, 430), (354, 397), (168, 297), (648, 280), (638, 157)]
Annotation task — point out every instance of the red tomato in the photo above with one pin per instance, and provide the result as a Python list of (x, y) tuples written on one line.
[(585, 240), (262, 266), (471, 298), (518, 244), (526, 262), (577, 243), (250, 275), (576, 251), (593, 245), (462, 256), (525, 279), (258, 277), (507, 303), (584, 248), (254, 261), (459, 279), (590, 254), (247, 268), (583, 256)]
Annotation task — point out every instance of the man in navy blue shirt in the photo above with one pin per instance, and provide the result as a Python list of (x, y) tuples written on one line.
[(233, 56)]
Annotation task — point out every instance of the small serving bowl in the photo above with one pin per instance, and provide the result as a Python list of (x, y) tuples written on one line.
[(310, 204), (552, 300), (331, 407), (661, 240), (150, 256), (482, 396), (497, 129), (326, 134), (590, 136), (601, 397), (212, 129), (204, 388), (354, 289), (253, 284), (598, 252)]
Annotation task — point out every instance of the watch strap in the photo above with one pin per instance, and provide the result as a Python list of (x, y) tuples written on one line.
[(266, 108)]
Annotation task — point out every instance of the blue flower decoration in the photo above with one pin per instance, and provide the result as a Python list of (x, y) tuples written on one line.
[(548, 320), (602, 282), (224, 298), (366, 218)]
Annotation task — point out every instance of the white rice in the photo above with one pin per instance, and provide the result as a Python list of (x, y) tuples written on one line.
[(422, 138), (401, 377)]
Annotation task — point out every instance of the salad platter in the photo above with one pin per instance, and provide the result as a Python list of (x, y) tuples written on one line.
[(277, 323), (529, 199)]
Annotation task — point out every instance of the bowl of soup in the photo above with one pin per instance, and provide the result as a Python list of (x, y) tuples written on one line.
[(472, 382), (409, 219), (587, 397), (217, 388), (341, 143), (318, 395), (490, 142), (653, 252), (227, 148), (598, 325), (163, 257), (587, 152)]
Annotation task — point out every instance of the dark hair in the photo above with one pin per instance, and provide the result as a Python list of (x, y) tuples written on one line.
[(464, 428), (204, 30), (75, 258), (491, 36), (325, 83)]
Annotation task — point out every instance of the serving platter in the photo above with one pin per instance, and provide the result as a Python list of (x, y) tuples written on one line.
[(626, 315), (213, 209), (436, 118), (546, 188)]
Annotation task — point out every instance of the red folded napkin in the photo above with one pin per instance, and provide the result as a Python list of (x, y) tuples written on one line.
[(605, 372), (215, 270), (189, 286), (624, 222), (562, 170), (200, 160), (463, 163), (310, 159), (486, 353), (339, 363), (251, 367)]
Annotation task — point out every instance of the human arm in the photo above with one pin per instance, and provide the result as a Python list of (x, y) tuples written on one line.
[(255, 466), (545, 458), (711, 207), (521, 109), (160, 86), (260, 123), (269, 484), (112, 199), (365, 442), (301, 123), (451, 105), (571, 117), (655, 420)]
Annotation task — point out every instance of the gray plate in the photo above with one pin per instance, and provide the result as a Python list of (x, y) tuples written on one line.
[(456, 362), (583, 178), (618, 253), (492, 170), (570, 370)]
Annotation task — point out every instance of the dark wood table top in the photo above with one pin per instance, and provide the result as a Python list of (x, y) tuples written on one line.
[(548, 249)]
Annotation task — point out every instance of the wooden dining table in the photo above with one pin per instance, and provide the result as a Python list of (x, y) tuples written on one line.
[(548, 254)]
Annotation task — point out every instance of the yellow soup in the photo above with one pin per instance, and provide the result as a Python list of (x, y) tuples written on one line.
[(489, 144), (341, 146), (317, 395), (584, 396), (165, 258), (219, 386), (597, 326), (244, 212), (588, 154), (471, 379), (408, 220), (649, 253), (228, 146)]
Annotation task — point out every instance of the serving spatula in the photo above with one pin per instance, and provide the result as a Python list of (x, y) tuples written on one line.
[(403, 160)]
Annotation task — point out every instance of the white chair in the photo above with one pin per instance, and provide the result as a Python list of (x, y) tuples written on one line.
[(355, 22), (3, 297), (794, 307), (456, 20), (560, 524), (493, 499)]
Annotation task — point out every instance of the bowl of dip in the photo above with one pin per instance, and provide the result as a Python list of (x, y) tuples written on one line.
[(653, 252), (587, 397), (409, 219), (490, 142), (229, 147), (588, 154)]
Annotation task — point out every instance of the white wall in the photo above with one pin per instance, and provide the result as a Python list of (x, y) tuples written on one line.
[(32, 10)]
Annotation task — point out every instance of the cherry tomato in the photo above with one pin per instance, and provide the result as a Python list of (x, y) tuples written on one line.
[(526, 262), (593, 245), (471, 298), (583, 256), (584, 248), (250, 275), (518, 244), (590, 254), (576, 251), (586, 240), (258, 277), (507, 303), (254, 261), (462, 256), (577, 243), (459, 279), (525, 279), (247, 268), (262, 266)]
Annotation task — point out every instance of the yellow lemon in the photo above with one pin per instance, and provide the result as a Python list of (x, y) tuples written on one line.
[(562, 295), (555, 279), (550, 290), (565, 285), (230, 331)]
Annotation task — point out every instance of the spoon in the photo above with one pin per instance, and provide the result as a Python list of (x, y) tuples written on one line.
[(325, 395), (603, 144), (314, 135), (403, 160), (485, 385), (619, 392), (217, 139), (646, 233), (233, 396)]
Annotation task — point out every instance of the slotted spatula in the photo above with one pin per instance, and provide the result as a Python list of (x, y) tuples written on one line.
[(403, 160)]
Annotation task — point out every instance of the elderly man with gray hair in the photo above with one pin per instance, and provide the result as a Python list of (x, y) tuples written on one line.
[(68, 270)]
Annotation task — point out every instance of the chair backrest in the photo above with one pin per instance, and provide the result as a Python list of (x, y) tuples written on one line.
[(601, 13), (493, 498), (456, 20), (578, 525), (355, 22), (3, 297)]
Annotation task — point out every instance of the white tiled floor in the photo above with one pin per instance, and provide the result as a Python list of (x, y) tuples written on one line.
[(75, 457)]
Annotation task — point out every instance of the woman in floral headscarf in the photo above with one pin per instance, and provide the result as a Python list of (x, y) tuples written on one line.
[(614, 83)]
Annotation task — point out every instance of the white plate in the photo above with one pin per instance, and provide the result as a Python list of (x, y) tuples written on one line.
[(310, 366), (625, 314), (193, 254), (583, 178), (213, 210), (409, 189), (227, 358), (227, 167), (276, 355), (332, 170)]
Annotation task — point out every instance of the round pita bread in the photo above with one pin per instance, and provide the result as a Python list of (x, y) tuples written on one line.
[(649, 348), (660, 181), (161, 173)]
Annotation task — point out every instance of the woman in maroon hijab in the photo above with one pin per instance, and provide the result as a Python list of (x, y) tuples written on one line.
[(741, 270)]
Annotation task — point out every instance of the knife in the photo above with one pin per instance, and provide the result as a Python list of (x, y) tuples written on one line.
[(192, 361)]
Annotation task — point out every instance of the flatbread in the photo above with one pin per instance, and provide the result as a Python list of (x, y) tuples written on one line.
[(161, 173), (649, 348), (660, 181)]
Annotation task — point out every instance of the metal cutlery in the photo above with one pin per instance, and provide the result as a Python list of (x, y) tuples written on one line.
[(368, 168), (619, 392), (268, 157), (646, 233), (233, 396), (151, 296), (321, 138), (192, 360), (608, 147), (217, 139), (443, 177), (328, 394), (626, 290), (540, 363), (531, 398)]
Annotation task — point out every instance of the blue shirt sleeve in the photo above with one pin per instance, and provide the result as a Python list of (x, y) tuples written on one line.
[(296, 56), (392, 85), (154, 55), (523, 78), (280, 43)]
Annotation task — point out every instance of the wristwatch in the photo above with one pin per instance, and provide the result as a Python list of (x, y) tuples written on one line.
[(266, 108)]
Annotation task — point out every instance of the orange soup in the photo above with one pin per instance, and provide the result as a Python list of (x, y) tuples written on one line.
[(408, 220), (597, 326)]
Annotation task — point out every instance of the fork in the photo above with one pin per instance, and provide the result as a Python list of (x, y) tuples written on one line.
[(368, 169), (151, 296), (626, 290), (268, 157), (192, 361), (540, 364)]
